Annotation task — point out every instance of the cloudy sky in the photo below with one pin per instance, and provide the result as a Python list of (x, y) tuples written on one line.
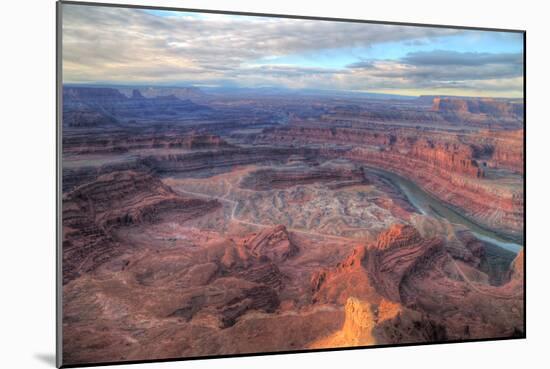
[(135, 46)]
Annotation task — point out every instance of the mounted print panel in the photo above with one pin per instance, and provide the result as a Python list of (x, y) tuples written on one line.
[(238, 184)]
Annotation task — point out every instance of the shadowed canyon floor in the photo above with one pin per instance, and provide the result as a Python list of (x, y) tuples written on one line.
[(199, 224)]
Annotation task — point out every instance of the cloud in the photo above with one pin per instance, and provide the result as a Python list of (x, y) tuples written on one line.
[(121, 45), (492, 73), (440, 72), (116, 41), (448, 57)]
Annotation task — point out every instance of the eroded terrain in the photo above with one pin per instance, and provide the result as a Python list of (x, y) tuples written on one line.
[(199, 224)]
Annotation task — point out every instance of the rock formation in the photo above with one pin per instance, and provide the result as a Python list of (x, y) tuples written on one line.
[(266, 179), (111, 103), (386, 310), (347, 279), (463, 107), (359, 323), (152, 91), (213, 224), (444, 166), (93, 210), (273, 244)]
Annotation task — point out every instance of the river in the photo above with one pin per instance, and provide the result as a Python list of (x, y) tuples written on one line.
[(429, 205)]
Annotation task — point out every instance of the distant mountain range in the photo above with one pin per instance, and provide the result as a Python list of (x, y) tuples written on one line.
[(91, 106), (191, 92)]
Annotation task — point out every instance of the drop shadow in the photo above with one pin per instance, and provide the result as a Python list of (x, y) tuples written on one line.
[(46, 358)]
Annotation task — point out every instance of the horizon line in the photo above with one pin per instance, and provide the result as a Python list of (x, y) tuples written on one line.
[(212, 86)]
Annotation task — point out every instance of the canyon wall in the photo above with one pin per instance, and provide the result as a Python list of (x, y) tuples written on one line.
[(122, 198), (449, 167), (89, 106), (410, 286)]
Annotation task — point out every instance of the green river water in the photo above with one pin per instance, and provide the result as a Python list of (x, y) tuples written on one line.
[(429, 205)]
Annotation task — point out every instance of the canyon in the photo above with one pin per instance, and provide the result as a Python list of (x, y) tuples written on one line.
[(202, 223)]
